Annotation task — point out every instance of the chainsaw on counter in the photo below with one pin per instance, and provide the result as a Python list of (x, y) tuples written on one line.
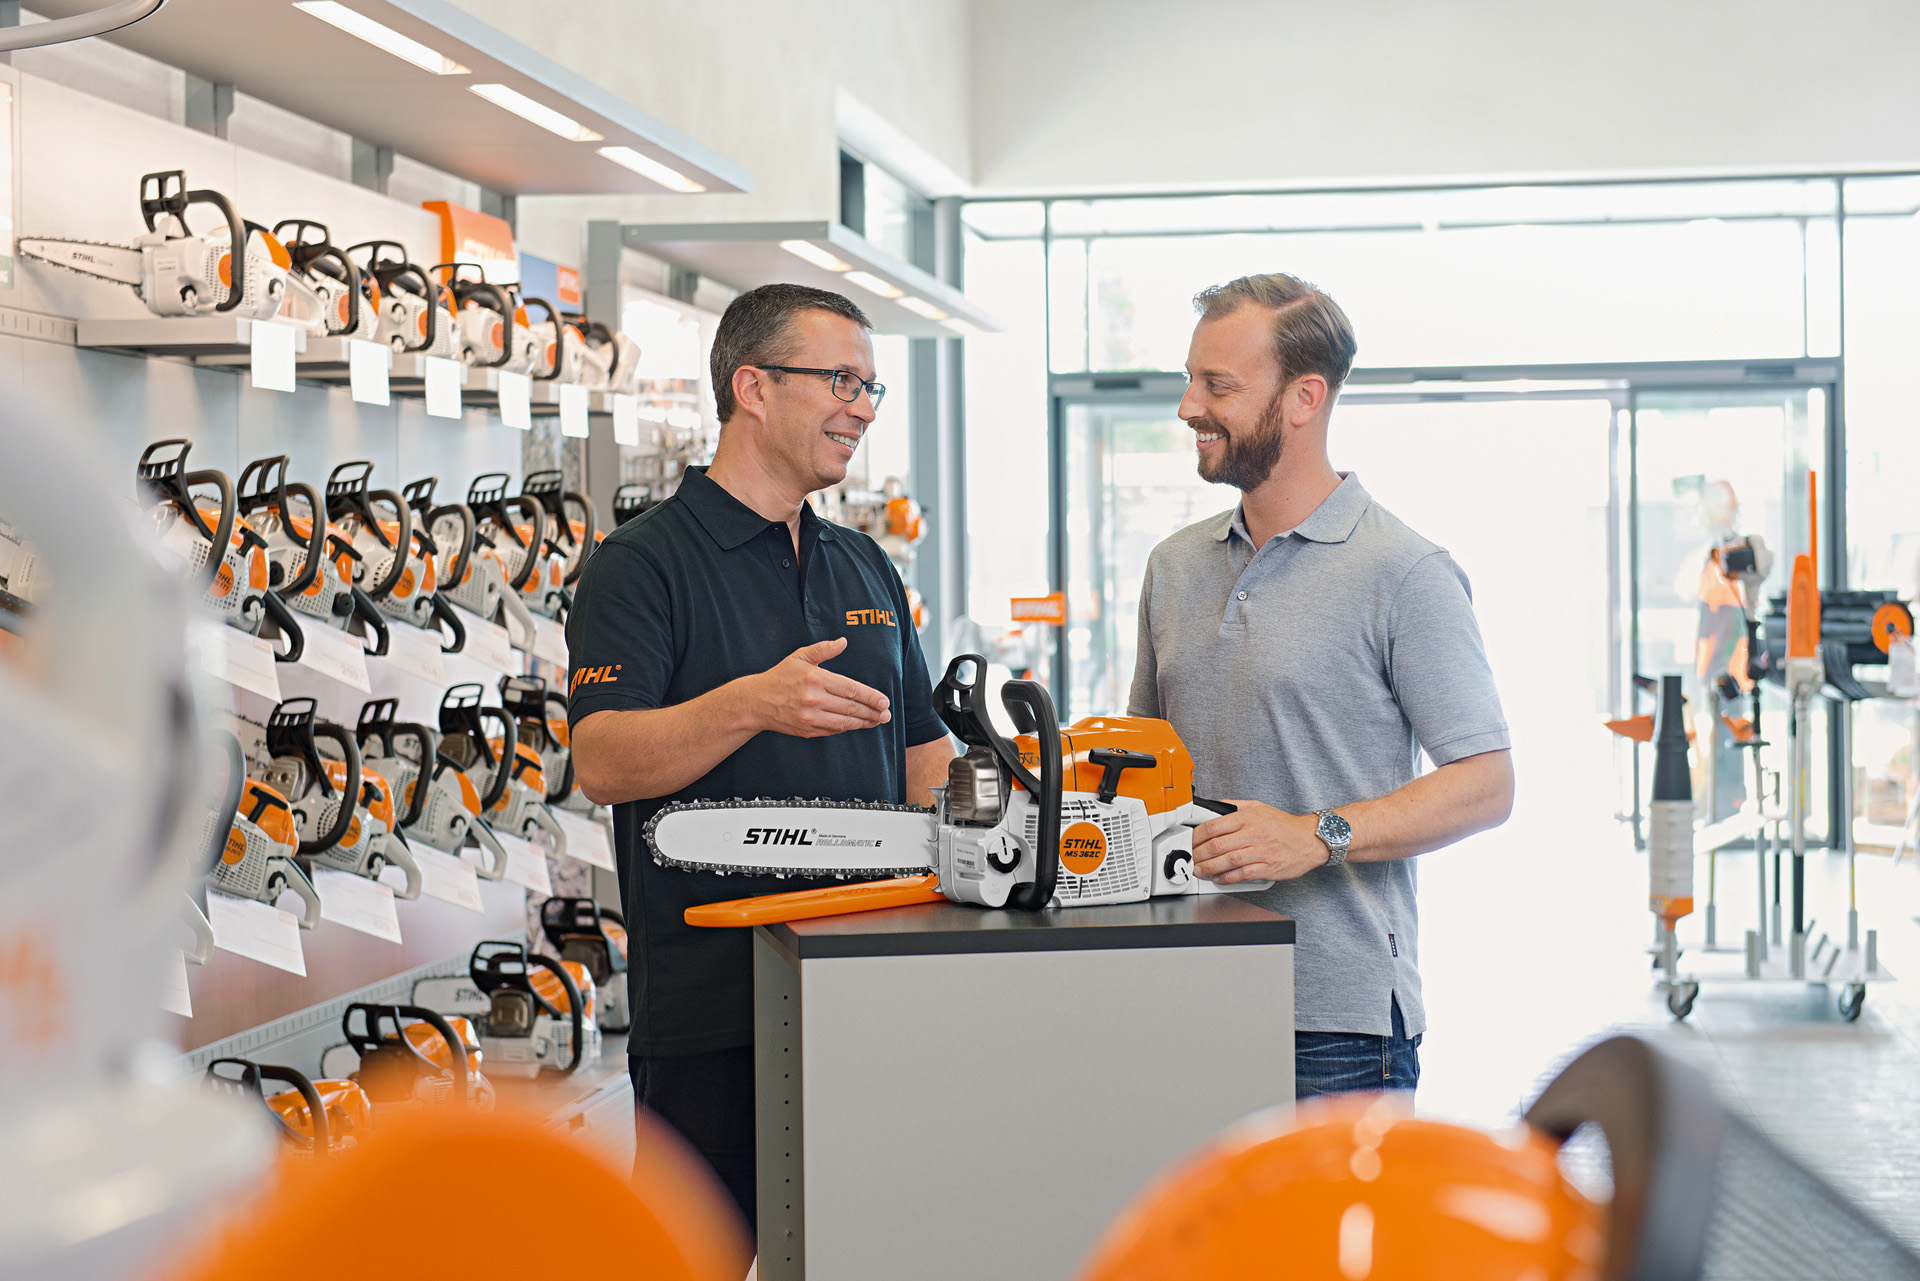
[(416, 312), (436, 802), (595, 938), (179, 272), (1108, 819), (348, 299), (533, 1012)]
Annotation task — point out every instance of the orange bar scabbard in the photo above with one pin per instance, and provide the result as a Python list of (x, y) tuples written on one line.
[(801, 905)]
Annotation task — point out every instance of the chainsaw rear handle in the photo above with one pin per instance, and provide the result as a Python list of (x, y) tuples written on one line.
[(373, 1016), (247, 1082), (300, 883), (1040, 721), (348, 494), (400, 854), (465, 291), (166, 193), (307, 254), (548, 487), (370, 615), (168, 480), (289, 624), (448, 617), (559, 343), (264, 484), (196, 920), (377, 722)]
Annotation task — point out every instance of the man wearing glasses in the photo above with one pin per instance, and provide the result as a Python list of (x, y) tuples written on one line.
[(730, 643)]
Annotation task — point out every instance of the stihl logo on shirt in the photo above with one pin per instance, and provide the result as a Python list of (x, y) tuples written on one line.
[(779, 836), (590, 675), (871, 617)]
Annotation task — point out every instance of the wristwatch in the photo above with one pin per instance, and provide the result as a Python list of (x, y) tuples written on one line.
[(1336, 832)]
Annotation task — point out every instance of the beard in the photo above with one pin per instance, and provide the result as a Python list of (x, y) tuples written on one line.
[(1247, 460)]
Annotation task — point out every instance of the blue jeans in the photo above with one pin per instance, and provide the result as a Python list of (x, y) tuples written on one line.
[(1345, 1062)]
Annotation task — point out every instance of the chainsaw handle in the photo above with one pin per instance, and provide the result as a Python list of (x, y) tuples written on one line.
[(229, 806), (503, 769), (576, 1005), (370, 615), (463, 549), (400, 855), (237, 229), (316, 535), (1033, 697), (289, 624), (401, 545), (300, 883), (387, 272), (376, 720), (536, 517), (559, 342), (446, 616), (196, 921), (349, 792), (170, 196)]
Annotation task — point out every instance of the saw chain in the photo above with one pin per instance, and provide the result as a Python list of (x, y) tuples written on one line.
[(97, 244), (767, 803)]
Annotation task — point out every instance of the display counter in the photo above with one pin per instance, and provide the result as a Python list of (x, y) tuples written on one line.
[(947, 1092)]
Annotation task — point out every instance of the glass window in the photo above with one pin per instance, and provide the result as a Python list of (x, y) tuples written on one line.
[(897, 217), (888, 445)]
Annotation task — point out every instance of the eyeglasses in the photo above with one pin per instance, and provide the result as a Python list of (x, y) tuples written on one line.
[(846, 386)]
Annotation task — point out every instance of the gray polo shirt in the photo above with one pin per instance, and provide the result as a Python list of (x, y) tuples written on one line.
[(1311, 673)]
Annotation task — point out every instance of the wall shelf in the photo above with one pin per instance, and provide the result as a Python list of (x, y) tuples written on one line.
[(208, 339)]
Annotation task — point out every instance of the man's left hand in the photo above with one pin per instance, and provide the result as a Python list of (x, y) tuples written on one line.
[(1257, 843)]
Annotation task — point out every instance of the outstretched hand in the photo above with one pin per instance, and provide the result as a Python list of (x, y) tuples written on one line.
[(800, 697)]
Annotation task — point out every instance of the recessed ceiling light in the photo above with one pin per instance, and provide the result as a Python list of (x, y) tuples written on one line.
[(381, 36), (921, 307), (537, 113), (965, 329), (814, 254), (648, 167), (874, 285)]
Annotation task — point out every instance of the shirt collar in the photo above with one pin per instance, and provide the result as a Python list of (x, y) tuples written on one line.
[(1332, 521), (731, 522)]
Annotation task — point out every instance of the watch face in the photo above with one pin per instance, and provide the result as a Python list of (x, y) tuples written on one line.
[(1334, 828)]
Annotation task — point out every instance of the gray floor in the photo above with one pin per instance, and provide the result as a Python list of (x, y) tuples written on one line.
[(1533, 946)]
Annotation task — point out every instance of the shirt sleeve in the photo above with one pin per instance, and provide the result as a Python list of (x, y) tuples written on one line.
[(923, 724), (1144, 698), (619, 635), (1438, 665)]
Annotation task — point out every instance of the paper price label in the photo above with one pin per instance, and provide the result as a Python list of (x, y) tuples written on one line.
[(415, 653), (258, 931), (626, 419), (242, 661), (271, 350), (443, 378), (526, 864), (516, 400), (367, 367), (549, 641), (588, 840), (335, 655), (174, 996), (357, 903), (489, 645), (573, 410), (448, 878)]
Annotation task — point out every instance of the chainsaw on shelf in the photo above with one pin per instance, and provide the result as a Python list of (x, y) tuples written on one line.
[(259, 846), (630, 500), (595, 937), (348, 298), (484, 319), (540, 715), (344, 813), (617, 353), (180, 272), (1108, 819), (503, 556), (570, 525), (312, 561), (436, 802), (514, 796), (377, 522), (406, 1057), (443, 537), (533, 1012), (407, 588), (224, 555), (314, 1118), (552, 360), (415, 315)]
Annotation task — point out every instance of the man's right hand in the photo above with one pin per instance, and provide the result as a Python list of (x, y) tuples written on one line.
[(801, 698)]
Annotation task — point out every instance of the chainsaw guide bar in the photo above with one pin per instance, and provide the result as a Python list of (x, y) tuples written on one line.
[(763, 837)]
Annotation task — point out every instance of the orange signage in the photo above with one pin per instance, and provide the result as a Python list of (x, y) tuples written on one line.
[(569, 288), (1041, 609), (467, 235)]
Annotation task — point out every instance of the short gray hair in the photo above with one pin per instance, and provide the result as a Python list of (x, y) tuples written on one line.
[(757, 329), (1311, 335)]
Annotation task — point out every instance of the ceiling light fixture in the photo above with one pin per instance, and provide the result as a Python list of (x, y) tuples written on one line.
[(874, 285), (381, 36), (536, 113), (815, 254), (966, 329), (648, 167), (921, 307)]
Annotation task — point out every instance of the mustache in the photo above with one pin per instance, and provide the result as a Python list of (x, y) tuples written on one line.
[(1205, 423)]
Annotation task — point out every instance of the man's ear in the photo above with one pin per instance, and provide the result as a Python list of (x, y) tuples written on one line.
[(1306, 398), (750, 391)]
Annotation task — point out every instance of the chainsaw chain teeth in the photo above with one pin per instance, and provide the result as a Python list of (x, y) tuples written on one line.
[(763, 803), (97, 244)]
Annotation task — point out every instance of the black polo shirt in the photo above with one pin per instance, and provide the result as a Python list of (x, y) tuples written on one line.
[(686, 596)]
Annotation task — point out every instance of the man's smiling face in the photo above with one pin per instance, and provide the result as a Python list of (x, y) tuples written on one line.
[(811, 431), (1233, 398)]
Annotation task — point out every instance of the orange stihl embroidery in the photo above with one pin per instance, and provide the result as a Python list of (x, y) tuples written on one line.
[(871, 617), (590, 675)]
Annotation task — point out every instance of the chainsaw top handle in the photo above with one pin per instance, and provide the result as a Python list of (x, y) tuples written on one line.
[(307, 255), (166, 193), (559, 343), (248, 1083), (293, 731), (372, 1018), (347, 493), (1031, 708), (962, 706), (168, 481), (487, 294)]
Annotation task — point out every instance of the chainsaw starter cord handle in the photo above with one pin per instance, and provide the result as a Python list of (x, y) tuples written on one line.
[(1033, 697)]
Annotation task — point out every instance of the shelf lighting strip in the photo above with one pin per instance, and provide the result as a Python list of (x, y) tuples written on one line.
[(381, 36)]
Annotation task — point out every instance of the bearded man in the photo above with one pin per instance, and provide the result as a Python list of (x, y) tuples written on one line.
[(1308, 647)]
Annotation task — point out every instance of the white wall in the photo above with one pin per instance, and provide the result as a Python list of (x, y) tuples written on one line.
[(1131, 94)]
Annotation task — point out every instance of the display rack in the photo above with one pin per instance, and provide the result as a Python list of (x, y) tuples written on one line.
[(206, 339)]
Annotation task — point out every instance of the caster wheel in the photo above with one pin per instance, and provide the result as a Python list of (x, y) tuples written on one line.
[(1680, 999), (1851, 1000)]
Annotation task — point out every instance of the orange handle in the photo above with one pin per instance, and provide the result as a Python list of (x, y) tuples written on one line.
[(801, 905)]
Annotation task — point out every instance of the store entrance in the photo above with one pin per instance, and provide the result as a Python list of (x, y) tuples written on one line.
[(1572, 498)]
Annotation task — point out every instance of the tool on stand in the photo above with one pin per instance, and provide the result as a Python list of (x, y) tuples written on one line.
[(409, 1056), (348, 301), (523, 1028), (595, 937), (258, 854), (1109, 819), (416, 313)]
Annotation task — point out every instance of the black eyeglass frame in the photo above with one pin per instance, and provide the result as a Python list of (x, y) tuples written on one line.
[(876, 392)]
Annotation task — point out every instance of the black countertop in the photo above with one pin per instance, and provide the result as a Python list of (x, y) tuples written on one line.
[(931, 929)]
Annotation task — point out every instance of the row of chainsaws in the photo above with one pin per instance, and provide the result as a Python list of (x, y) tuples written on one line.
[(514, 1013), (294, 273), (272, 556)]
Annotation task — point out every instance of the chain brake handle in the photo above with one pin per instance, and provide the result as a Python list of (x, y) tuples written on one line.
[(373, 1016), (559, 343), (168, 480), (502, 305), (166, 193)]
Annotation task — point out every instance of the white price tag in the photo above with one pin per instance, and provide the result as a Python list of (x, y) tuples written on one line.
[(227, 654), (573, 409), (174, 997), (272, 351), (257, 931), (335, 654), (357, 903), (588, 840), (549, 641), (448, 878), (526, 863), (626, 419), (442, 378), (516, 400), (489, 645), (414, 652), (1903, 675), (367, 367)]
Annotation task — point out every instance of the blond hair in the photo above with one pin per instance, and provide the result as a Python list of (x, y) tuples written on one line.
[(1311, 335)]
